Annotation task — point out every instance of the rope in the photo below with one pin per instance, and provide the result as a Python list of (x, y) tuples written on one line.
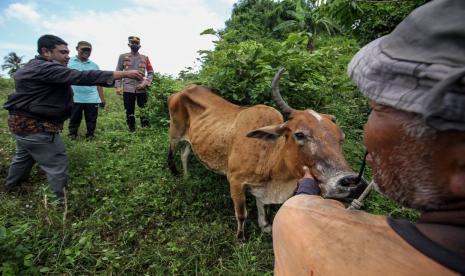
[(358, 202)]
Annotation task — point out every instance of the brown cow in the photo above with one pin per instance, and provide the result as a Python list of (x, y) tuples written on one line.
[(269, 166)]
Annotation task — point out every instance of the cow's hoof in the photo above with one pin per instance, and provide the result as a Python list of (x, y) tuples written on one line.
[(267, 228), (240, 236)]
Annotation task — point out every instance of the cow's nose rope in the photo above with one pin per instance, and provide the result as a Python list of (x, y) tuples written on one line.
[(357, 203), (362, 168)]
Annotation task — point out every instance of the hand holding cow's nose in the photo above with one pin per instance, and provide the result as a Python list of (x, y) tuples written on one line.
[(307, 184), (307, 173)]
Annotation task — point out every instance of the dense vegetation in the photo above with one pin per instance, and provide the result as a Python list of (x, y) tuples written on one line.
[(128, 215)]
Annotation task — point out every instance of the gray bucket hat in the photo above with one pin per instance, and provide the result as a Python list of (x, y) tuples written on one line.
[(420, 66)]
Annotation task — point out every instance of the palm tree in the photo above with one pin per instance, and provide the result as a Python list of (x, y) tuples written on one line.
[(306, 20), (12, 63)]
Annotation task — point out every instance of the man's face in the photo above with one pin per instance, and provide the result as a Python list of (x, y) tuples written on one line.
[(406, 158), (84, 52), (134, 45), (60, 53)]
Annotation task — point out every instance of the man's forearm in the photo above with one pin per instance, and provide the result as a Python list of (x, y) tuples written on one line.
[(117, 75)]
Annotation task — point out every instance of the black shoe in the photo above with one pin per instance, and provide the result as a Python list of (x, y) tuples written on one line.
[(90, 137), (10, 189)]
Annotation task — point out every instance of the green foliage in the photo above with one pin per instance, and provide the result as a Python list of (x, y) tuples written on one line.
[(255, 20), (6, 85), (157, 108), (368, 20)]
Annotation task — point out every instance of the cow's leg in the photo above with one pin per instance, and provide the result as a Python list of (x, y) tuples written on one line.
[(238, 197), (176, 132), (262, 219), (185, 157), (171, 162)]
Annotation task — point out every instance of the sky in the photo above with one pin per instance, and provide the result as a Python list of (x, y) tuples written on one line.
[(169, 29)]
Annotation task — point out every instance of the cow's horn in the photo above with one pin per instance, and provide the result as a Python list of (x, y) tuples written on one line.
[(282, 105)]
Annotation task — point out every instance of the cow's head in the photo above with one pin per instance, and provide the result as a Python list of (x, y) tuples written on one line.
[(313, 139)]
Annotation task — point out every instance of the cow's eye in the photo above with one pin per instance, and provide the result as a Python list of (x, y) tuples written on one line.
[(299, 136)]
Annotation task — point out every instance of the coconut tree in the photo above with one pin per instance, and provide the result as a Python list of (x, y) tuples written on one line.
[(305, 19), (12, 62)]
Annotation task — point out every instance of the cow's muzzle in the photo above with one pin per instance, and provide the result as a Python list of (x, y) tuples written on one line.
[(354, 184), (344, 188)]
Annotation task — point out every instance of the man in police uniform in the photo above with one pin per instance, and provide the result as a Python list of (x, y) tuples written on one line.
[(134, 90)]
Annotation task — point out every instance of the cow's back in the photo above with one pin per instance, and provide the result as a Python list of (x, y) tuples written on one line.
[(207, 119)]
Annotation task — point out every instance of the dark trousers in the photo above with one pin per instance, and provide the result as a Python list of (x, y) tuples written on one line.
[(90, 114), (130, 100)]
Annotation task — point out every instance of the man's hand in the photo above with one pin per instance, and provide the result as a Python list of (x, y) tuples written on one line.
[(307, 173), (119, 91), (141, 86), (307, 184), (133, 74), (102, 105)]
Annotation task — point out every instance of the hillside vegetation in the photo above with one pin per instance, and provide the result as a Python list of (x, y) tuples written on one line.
[(127, 215)]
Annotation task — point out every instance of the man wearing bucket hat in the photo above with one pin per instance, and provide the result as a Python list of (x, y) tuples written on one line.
[(134, 90), (415, 138)]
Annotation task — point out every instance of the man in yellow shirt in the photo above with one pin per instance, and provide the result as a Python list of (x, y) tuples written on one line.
[(415, 138)]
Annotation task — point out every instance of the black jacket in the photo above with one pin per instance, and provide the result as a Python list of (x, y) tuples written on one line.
[(43, 89)]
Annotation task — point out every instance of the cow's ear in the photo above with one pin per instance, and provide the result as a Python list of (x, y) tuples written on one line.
[(268, 133)]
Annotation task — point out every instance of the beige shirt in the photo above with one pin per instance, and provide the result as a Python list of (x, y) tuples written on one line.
[(316, 236)]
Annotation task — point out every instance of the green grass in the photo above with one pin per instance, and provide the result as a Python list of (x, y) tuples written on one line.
[(128, 215)]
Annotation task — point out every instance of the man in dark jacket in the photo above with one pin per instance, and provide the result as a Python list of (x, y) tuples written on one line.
[(41, 103)]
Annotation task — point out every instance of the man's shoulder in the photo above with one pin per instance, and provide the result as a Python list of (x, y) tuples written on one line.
[(37, 65), (326, 211)]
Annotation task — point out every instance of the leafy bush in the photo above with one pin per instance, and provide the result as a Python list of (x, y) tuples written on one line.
[(368, 20), (6, 85), (159, 91)]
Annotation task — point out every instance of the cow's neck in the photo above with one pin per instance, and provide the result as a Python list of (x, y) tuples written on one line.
[(285, 167), (446, 227)]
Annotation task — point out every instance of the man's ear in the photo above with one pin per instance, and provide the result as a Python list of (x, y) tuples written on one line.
[(45, 52), (268, 133), (457, 184), (457, 177)]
